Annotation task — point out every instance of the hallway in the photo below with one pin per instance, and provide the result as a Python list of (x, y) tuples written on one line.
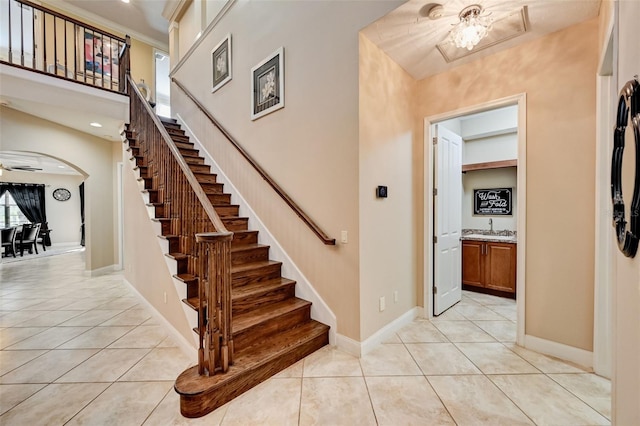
[(79, 350)]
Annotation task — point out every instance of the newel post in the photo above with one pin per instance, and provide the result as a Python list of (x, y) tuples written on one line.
[(215, 350)]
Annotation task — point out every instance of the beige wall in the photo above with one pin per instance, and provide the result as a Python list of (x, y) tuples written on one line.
[(557, 72), (89, 155), (144, 264), (310, 147), (626, 288), (63, 216), (389, 141)]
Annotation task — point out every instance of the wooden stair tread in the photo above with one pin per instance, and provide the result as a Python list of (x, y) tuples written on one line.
[(236, 269), (186, 278), (246, 247), (259, 287), (247, 320), (176, 256), (193, 303), (191, 383)]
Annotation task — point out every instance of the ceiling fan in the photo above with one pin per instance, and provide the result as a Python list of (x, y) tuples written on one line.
[(19, 168)]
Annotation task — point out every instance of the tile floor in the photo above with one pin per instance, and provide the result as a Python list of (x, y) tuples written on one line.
[(84, 351)]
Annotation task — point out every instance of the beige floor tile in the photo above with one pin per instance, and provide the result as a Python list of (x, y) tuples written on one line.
[(91, 318), (13, 318), (389, 360), (106, 366), (296, 370), (123, 404), (86, 304), (50, 319), (274, 402), (393, 339), (592, 389), (54, 303), (406, 401), (335, 401), (120, 303), (11, 336), (546, 402), (474, 401), (19, 304), (129, 317), (449, 315), (495, 358), (441, 359), (420, 332), (463, 331), (503, 331), (331, 362), (159, 364), (10, 360), (487, 299), (13, 395), (508, 312), (141, 337), (471, 312), (44, 407), (545, 363), (98, 337), (167, 413), (168, 342), (50, 338), (48, 367)]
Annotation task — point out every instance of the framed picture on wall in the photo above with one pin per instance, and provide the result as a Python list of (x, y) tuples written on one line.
[(221, 64), (492, 202), (267, 85)]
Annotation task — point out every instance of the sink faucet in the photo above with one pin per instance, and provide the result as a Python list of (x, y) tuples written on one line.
[(491, 225)]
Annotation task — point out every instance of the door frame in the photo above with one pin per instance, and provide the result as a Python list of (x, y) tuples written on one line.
[(520, 100)]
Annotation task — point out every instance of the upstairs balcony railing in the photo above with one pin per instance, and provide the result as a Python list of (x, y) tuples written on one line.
[(45, 41)]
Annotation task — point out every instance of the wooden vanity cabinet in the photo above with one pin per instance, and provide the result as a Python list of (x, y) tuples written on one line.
[(489, 265)]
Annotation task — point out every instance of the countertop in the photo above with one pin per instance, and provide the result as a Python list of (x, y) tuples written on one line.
[(485, 235)]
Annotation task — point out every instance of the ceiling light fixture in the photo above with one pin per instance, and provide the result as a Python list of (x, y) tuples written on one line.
[(125, 1), (472, 27), (95, 124)]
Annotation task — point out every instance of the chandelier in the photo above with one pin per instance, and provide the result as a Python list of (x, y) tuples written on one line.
[(472, 27)]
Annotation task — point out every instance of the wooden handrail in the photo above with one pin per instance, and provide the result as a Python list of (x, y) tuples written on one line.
[(195, 185), (301, 214)]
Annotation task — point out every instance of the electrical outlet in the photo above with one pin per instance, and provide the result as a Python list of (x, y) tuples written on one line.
[(165, 297), (382, 304), (344, 237), (395, 296)]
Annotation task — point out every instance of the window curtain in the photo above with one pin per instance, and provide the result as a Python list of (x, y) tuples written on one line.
[(31, 201), (82, 214)]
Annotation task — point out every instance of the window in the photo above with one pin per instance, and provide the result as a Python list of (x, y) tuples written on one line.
[(163, 84), (11, 213)]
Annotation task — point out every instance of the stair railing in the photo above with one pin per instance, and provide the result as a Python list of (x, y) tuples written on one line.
[(42, 40), (200, 232), (285, 197)]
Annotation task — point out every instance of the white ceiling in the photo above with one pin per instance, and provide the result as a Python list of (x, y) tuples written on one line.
[(36, 162), (141, 19), (409, 37)]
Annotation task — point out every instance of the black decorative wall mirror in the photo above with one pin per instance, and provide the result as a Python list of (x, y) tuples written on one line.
[(628, 116)]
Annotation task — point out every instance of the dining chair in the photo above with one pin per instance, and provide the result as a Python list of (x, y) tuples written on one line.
[(9, 241), (28, 239)]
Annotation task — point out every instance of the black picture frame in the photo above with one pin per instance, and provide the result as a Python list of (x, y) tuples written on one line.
[(267, 85), (221, 64), (493, 202)]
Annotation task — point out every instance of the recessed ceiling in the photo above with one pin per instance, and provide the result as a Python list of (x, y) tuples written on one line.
[(409, 37)]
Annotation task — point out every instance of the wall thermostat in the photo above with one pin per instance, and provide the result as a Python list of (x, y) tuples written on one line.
[(381, 192)]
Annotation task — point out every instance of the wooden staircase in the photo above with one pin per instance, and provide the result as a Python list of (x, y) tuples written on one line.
[(271, 328)]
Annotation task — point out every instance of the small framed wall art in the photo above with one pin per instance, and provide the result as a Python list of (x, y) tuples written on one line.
[(221, 64), (267, 85)]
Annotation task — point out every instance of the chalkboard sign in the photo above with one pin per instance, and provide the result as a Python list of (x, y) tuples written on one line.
[(492, 202)]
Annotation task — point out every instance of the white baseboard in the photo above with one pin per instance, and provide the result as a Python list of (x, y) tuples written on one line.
[(186, 346), (359, 349), (568, 353), (102, 271)]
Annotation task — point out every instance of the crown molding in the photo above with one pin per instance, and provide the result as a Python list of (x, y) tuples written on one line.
[(173, 9), (97, 19)]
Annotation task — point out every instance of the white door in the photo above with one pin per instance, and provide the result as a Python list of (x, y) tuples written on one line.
[(447, 276)]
